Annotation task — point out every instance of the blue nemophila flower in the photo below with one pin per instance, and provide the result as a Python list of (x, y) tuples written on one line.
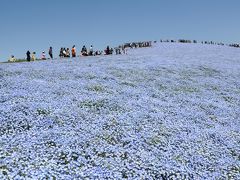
[(171, 111)]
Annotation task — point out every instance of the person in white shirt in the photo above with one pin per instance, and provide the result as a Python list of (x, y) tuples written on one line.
[(43, 55)]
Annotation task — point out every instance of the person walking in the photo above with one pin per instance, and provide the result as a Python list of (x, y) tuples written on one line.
[(50, 52), (28, 56)]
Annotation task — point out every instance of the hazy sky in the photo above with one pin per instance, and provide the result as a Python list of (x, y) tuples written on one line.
[(37, 24)]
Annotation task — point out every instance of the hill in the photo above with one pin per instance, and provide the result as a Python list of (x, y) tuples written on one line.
[(170, 110)]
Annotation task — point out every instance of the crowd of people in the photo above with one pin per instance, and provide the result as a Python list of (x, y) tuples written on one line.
[(235, 45), (205, 42), (67, 53), (122, 49)]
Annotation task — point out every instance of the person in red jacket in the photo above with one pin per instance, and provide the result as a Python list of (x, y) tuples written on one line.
[(73, 51)]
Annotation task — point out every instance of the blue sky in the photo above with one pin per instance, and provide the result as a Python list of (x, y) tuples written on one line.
[(37, 24)]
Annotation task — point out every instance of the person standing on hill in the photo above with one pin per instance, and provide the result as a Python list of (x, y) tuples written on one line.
[(50, 52), (28, 56), (90, 51), (73, 51), (33, 56), (61, 53), (107, 51)]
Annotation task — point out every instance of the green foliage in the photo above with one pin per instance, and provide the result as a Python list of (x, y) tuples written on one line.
[(43, 112), (96, 88)]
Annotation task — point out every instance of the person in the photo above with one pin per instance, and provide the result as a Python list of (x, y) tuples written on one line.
[(64, 52), (111, 51), (43, 55), (97, 53), (84, 51), (61, 53), (124, 49), (28, 55), (68, 53), (12, 59), (73, 51), (107, 51), (33, 56), (118, 51), (50, 52), (91, 50)]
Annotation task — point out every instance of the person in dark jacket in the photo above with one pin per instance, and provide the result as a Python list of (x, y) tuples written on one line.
[(28, 56), (50, 52), (107, 51), (84, 51), (61, 53)]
